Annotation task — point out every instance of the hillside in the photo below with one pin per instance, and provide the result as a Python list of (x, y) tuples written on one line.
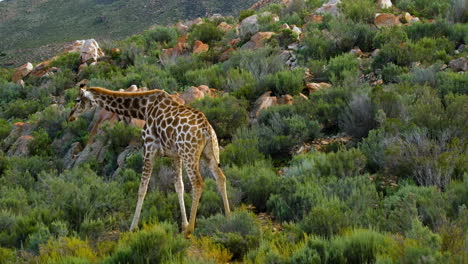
[(342, 129), (35, 29)]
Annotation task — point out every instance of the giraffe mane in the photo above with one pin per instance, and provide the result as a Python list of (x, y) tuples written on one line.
[(100, 90)]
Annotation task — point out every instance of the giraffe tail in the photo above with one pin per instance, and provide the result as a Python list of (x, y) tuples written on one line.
[(213, 141)]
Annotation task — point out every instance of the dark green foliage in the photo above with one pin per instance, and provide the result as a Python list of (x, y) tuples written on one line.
[(258, 182), (212, 77), (423, 8), (342, 66), (317, 221), (5, 128), (359, 11), (206, 32), (286, 37), (391, 73), (70, 61), (239, 232), (245, 13), (165, 36), (40, 143), (390, 34), (154, 244), (286, 82), (20, 108), (450, 82), (225, 114), (243, 149), (280, 129), (121, 134)]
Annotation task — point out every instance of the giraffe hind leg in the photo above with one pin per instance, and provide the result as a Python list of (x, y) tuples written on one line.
[(193, 172), (218, 174), (179, 187)]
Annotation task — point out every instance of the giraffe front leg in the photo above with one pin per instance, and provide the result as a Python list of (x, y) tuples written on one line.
[(198, 184), (145, 177), (179, 187)]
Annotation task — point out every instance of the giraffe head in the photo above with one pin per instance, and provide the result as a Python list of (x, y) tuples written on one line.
[(84, 102)]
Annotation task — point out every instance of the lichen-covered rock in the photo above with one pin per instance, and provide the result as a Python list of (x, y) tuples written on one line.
[(199, 47), (258, 40), (329, 8), (249, 26), (386, 20), (384, 3), (21, 72), (460, 64), (90, 50)]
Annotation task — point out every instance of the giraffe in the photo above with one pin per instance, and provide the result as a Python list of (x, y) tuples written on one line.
[(171, 129)]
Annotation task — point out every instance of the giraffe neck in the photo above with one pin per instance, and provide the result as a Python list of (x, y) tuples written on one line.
[(127, 104)]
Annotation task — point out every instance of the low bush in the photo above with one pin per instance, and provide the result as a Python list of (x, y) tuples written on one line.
[(286, 82), (225, 114), (40, 143), (422, 8), (206, 32), (359, 11), (70, 61), (5, 129), (166, 36), (238, 232), (340, 66)]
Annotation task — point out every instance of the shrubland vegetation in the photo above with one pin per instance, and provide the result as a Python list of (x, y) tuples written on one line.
[(397, 192)]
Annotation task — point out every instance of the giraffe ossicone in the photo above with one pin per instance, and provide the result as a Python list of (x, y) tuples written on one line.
[(171, 129)]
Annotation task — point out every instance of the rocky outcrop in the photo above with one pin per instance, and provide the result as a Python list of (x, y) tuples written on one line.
[(267, 100), (460, 64), (223, 26), (14, 143), (226, 54), (313, 87), (199, 47), (41, 69), (178, 49), (90, 50), (384, 3), (21, 72), (329, 8), (386, 20), (258, 40), (196, 93), (249, 26)]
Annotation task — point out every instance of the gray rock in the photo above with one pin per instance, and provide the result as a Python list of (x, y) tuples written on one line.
[(460, 64)]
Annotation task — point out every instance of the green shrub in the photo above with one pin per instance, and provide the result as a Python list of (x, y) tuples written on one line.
[(287, 82), (120, 135), (7, 256), (244, 149), (391, 73), (70, 61), (410, 203), (429, 50), (206, 32), (10, 92), (341, 65), (357, 118), (280, 129), (5, 129), (450, 82), (21, 108), (245, 13), (40, 144), (68, 250), (396, 53), (317, 47), (182, 65), (317, 221), (91, 228), (225, 114), (347, 35), (423, 8), (166, 36), (386, 35), (211, 76), (286, 37), (240, 83), (40, 236), (359, 11), (257, 182), (238, 232)]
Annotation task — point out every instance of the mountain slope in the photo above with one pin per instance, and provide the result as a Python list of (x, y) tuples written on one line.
[(26, 25)]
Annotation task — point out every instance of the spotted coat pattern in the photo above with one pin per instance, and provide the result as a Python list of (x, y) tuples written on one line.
[(172, 130)]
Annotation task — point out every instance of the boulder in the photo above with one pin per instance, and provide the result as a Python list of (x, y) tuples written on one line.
[(329, 8), (257, 40), (90, 51), (234, 42), (285, 99), (314, 18), (226, 54), (223, 26), (21, 72), (296, 29), (199, 47), (249, 26), (182, 28), (384, 3), (191, 94), (41, 69), (313, 87), (21, 146), (19, 129), (357, 52), (71, 155), (176, 97), (460, 64), (386, 20), (263, 102), (410, 19), (285, 26)]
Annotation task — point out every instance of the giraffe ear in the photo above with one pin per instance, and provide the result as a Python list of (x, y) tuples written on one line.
[(82, 85)]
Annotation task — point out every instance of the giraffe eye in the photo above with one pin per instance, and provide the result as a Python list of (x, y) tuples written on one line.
[(78, 100)]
